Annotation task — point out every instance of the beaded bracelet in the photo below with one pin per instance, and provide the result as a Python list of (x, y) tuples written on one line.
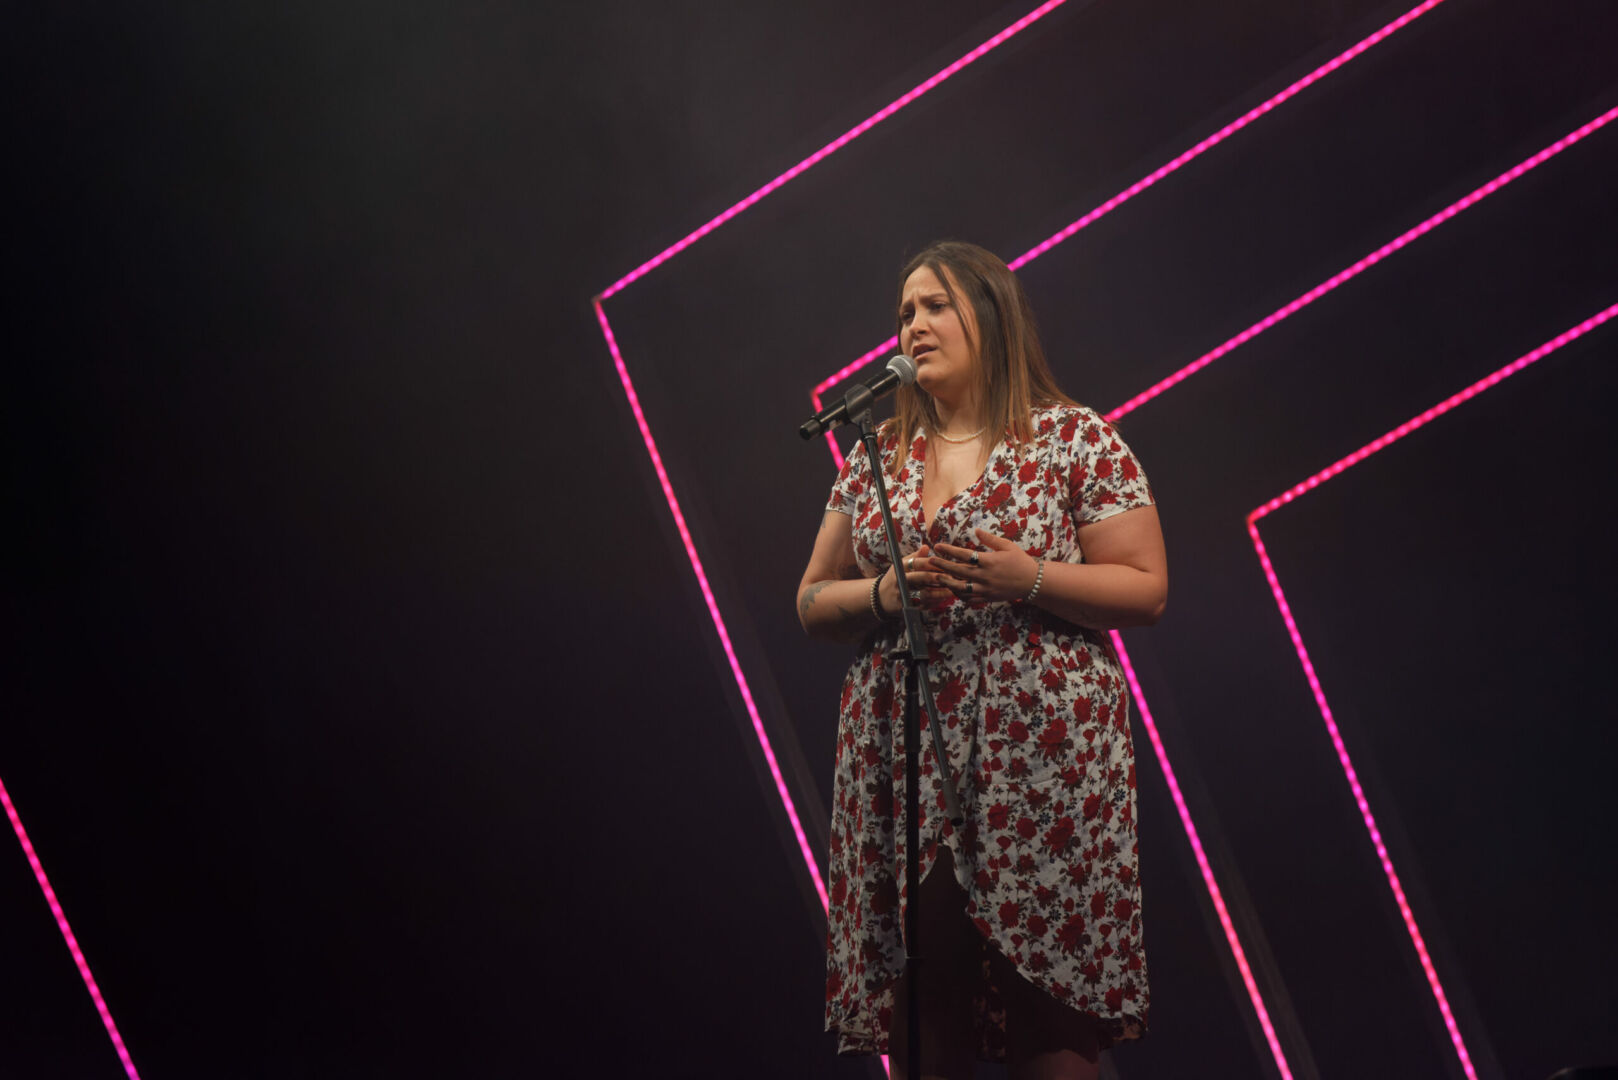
[(876, 584), (1039, 579)]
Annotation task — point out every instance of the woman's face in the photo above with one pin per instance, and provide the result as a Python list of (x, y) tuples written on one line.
[(937, 336)]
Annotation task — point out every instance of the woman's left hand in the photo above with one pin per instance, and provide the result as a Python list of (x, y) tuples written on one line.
[(1003, 571)]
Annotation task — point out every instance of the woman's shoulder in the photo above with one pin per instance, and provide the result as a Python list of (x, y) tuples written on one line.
[(1062, 423)]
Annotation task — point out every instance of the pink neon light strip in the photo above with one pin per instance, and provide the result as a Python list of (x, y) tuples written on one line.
[(1356, 269), (1433, 413), (67, 934), (1165, 170), (713, 606), (835, 145), (1332, 730), (1202, 861)]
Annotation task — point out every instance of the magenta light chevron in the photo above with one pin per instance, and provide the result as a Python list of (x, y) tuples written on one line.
[(67, 934), (835, 145), (1202, 861), (713, 608), (1151, 178), (1359, 267), (1360, 800)]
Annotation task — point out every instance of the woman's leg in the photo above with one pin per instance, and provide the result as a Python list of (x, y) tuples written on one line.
[(1045, 1040), (951, 949)]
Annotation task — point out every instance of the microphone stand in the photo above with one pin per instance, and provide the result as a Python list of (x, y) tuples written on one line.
[(912, 650)]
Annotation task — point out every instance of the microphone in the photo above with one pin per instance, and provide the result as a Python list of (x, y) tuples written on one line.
[(901, 371)]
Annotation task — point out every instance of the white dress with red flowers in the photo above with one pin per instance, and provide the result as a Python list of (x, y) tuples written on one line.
[(1036, 723)]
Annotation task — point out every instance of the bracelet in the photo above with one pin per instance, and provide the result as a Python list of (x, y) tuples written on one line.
[(876, 585), (1039, 579)]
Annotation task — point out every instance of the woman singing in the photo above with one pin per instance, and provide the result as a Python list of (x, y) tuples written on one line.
[(1028, 531)]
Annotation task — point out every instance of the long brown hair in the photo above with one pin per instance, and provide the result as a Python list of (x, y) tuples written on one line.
[(1012, 375)]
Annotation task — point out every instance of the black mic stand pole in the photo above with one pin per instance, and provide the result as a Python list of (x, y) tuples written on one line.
[(912, 650)]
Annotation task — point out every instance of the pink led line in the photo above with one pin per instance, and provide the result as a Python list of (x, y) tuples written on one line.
[(713, 606), (1161, 172), (1202, 860), (1364, 264), (1308, 665), (67, 934), (835, 145)]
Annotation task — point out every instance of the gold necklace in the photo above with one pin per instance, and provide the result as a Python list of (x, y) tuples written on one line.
[(960, 438)]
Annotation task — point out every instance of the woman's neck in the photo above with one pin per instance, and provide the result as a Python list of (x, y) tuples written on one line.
[(959, 418)]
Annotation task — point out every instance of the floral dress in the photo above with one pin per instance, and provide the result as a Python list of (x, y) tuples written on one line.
[(1036, 723)]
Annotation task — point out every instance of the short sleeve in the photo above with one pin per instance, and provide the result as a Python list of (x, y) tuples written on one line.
[(1104, 476), (852, 481)]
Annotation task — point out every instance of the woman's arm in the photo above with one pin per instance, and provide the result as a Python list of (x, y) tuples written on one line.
[(834, 598), (1123, 581)]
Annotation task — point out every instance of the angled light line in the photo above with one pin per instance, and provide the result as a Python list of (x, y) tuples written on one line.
[(1315, 687), (713, 608), (1358, 267), (1164, 170), (835, 145), (1433, 413), (67, 934), (1202, 861)]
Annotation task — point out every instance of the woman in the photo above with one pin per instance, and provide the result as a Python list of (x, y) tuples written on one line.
[(1028, 531)]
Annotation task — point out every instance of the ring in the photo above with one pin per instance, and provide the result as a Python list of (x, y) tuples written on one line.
[(969, 588), (974, 558), (910, 563)]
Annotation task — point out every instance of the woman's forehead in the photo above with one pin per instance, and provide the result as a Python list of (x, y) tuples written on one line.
[(922, 282)]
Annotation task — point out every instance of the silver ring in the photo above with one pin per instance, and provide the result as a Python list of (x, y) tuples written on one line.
[(974, 558), (910, 563), (969, 588)]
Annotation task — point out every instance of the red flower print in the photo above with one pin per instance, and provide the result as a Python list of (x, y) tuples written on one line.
[(1092, 806), (1008, 913), (1059, 837), (1018, 731), (1072, 937), (997, 498), (951, 693), (1026, 828), (1123, 908), (1037, 925), (1054, 680), (1098, 904), (1052, 738), (1131, 470), (1115, 998), (1104, 468), (1026, 474), (999, 816)]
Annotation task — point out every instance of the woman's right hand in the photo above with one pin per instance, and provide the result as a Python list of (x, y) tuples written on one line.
[(924, 581)]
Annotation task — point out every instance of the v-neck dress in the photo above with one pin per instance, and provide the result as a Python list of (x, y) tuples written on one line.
[(1036, 725)]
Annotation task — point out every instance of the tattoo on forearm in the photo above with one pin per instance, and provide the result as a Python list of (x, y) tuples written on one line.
[(850, 621), (807, 600)]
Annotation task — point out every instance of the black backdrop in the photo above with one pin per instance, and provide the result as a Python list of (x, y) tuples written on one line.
[(360, 701)]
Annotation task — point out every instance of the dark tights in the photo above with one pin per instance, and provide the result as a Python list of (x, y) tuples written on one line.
[(1045, 1040)]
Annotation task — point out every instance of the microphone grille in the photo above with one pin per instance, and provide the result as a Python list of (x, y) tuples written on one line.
[(904, 367)]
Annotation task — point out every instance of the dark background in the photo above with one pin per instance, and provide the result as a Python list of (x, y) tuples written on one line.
[(359, 698)]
